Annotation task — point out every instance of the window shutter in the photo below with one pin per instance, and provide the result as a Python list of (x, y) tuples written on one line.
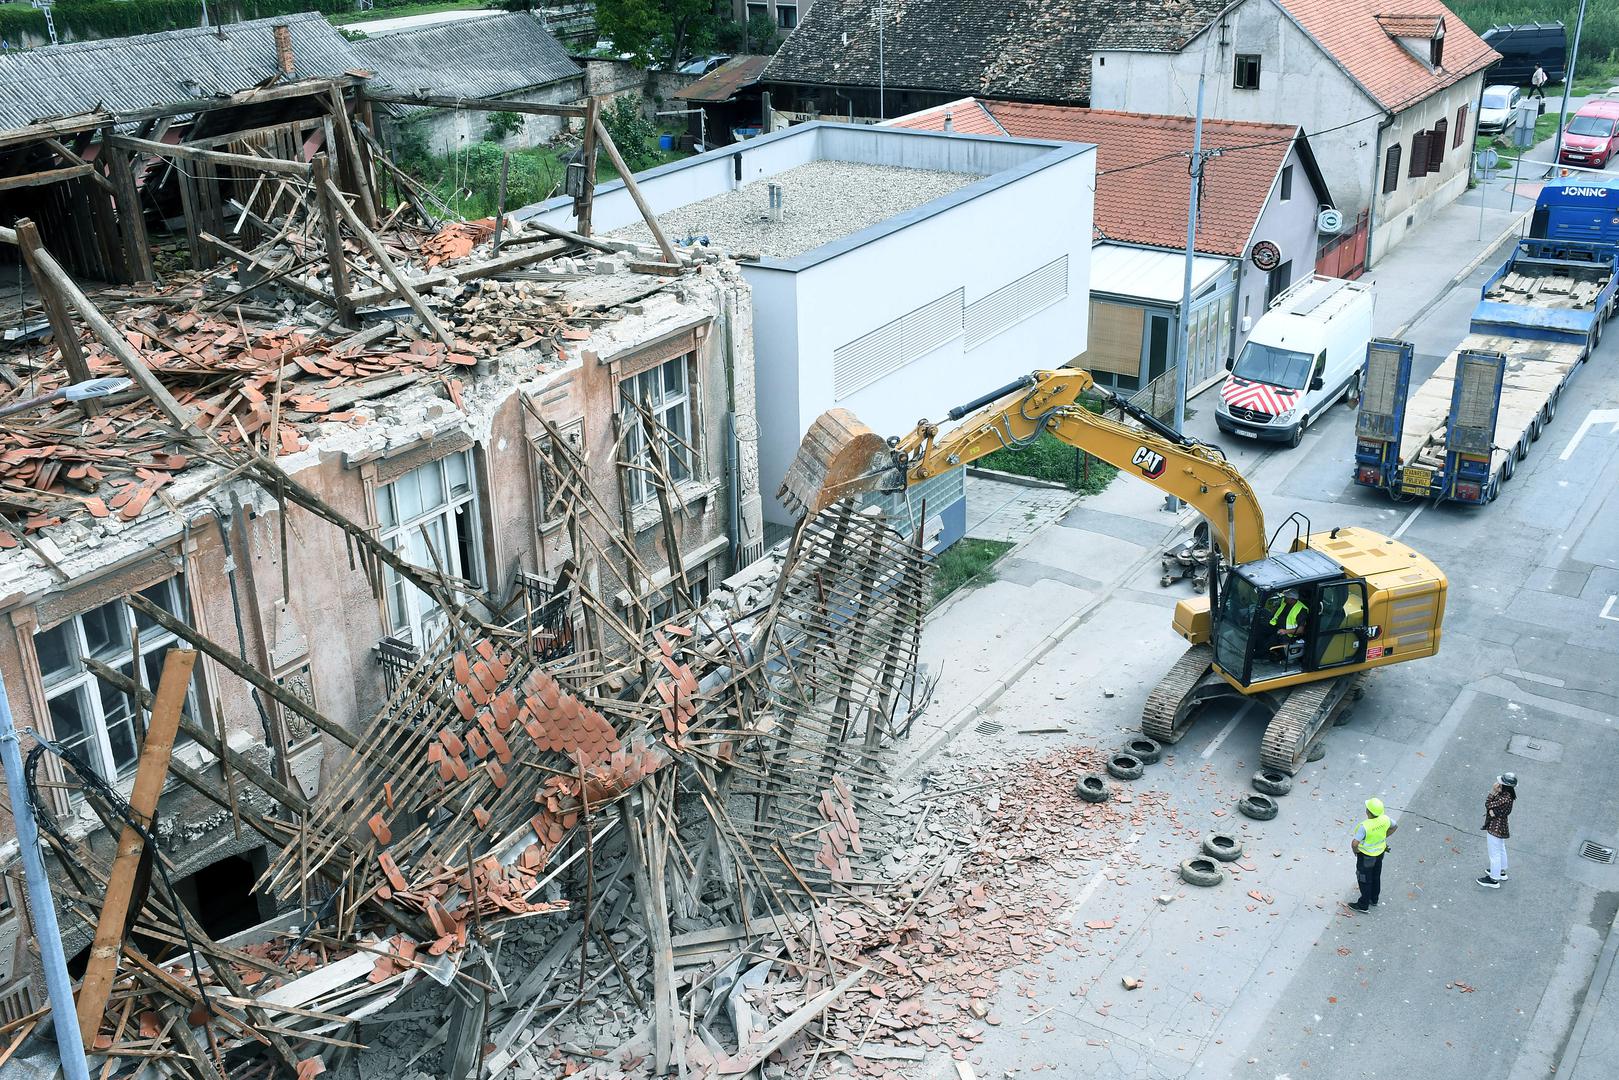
[(1460, 133), (1419, 155), (1391, 169), (1436, 146)]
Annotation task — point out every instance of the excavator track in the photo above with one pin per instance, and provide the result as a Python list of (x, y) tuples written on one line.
[(1299, 721), (1169, 708)]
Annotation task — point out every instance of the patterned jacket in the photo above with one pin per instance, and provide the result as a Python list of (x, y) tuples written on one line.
[(1497, 805)]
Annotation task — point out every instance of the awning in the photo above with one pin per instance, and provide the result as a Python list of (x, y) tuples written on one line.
[(1150, 274)]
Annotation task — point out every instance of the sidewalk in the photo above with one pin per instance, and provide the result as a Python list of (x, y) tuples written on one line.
[(1445, 248)]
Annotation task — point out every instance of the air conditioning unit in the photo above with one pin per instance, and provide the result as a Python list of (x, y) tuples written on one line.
[(1329, 220)]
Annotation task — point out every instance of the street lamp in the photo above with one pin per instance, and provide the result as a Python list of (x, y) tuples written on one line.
[(79, 391)]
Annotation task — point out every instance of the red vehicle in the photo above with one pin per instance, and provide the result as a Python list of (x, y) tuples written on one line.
[(1592, 137)]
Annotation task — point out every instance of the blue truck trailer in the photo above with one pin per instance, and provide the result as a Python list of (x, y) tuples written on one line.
[(1460, 435)]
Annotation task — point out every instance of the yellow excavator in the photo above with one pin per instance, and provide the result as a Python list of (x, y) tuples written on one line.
[(1292, 633)]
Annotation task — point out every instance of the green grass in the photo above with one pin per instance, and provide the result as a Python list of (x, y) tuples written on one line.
[(427, 7), (968, 561), (1052, 459), (1545, 128)]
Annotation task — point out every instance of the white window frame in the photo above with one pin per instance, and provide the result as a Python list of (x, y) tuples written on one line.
[(445, 495), (653, 387), (103, 729)]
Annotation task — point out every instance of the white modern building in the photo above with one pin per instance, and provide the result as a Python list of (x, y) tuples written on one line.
[(904, 273)]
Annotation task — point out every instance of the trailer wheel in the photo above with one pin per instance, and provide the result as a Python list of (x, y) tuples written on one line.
[(1521, 451), (1551, 408), (1510, 467), (1534, 430)]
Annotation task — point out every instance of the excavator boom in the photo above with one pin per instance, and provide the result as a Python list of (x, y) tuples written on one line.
[(840, 456)]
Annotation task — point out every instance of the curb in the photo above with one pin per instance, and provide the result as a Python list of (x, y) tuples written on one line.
[(1569, 1057), (1463, 274), (1014, 478)]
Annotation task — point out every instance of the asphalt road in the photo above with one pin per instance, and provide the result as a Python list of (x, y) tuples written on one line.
[(1445, 979)]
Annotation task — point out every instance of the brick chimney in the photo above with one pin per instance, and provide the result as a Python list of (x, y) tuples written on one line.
[(283, 50)]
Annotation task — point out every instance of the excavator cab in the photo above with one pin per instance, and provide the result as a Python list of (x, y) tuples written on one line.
[(1251, 644)]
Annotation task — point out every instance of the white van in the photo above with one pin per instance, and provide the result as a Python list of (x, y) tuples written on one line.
[(1306, 353)]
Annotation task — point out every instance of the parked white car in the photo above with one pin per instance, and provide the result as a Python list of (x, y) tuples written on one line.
[(1496, 107)]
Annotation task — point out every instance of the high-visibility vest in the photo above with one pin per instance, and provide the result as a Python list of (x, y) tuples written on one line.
[(1377, 835), (1294, 614)]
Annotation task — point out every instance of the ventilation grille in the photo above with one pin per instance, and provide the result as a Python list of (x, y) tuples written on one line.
[(1012, 303), (989, 727), (1596, 852), (888, 348)]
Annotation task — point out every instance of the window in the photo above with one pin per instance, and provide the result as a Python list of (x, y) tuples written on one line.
[(666, 390), (547, 516), (1461, 127), (87, 715), (758, 11), (664, 605), (1419, 155), (786, 16), (1437, 53), (430, 517), (1245, 76), (1287, 182), (1391, 169), (1280, 279), (1436, 145)]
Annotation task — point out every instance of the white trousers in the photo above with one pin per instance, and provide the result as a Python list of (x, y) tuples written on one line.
[(1498, 855)]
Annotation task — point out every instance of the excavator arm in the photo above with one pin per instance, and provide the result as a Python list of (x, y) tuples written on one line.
[(1014, 416)]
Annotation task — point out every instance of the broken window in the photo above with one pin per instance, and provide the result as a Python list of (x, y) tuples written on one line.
[(664, 605), (1245, 74), (88, 716), (666, 391), (429, 516), (548, 511)]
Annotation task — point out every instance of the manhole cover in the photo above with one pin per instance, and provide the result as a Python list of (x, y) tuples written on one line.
[(989, 727), (1535, 748), (1596, 852)]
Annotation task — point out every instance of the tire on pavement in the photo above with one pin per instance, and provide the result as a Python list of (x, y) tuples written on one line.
[(1317, 751), (1258, 807), (1222, 846), (1125, 766), (1272, 782), (1093, 788), (1201, 871), (1145, 750)]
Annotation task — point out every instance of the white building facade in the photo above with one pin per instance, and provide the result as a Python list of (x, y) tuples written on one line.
[(906, 318)]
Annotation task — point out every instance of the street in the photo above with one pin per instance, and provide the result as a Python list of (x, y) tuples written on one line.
[(1269, 975)]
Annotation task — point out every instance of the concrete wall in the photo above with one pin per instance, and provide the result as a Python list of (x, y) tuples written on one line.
[(608, 79), (1291, 226), (1417, 197), (449, 130)]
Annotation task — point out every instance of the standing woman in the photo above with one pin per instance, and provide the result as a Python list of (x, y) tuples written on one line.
[(1497, 808)]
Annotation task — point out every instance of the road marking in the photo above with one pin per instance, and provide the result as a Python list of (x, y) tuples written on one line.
[(1607, 608), (1097, 878), (1406, 524), (1231, 725), (1592, 419), (1530, 676)]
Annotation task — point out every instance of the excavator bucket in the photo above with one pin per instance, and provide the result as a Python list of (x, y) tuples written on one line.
[(839, 456)]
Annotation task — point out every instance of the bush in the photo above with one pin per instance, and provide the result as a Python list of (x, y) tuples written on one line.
[(1052, 459), (632, 133), (1599, 42), (502, 124)]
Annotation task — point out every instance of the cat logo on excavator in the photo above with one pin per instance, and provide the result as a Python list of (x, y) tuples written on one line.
[(1150, 462)]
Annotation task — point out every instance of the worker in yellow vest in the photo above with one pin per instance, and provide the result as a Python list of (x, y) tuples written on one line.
[(1370, 844)]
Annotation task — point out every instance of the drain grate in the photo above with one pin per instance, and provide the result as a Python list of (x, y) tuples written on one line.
[(1596, 852), (989, 727)]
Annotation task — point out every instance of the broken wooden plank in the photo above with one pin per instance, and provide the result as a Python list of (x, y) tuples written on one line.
[(279, 166), (150, 775), (753, 1055), (369, 240)]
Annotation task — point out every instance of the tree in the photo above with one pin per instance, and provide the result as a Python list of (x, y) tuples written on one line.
[(502, 124), (657, 32), (632, 133)]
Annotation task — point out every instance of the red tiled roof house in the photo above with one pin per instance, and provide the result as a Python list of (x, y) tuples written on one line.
[(1385, 89)]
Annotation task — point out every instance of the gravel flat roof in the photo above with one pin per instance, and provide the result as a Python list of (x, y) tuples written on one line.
[(822, 201)]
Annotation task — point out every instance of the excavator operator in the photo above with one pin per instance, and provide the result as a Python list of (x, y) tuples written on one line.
[(1287, 618)]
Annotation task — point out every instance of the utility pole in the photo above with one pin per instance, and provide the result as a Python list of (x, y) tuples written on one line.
[(1568, 87), (41, 908), (1184, 345), (882, 73)]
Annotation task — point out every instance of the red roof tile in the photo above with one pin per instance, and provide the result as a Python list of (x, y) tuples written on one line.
[(968, 116), (1352, 34), (1141, 166)]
